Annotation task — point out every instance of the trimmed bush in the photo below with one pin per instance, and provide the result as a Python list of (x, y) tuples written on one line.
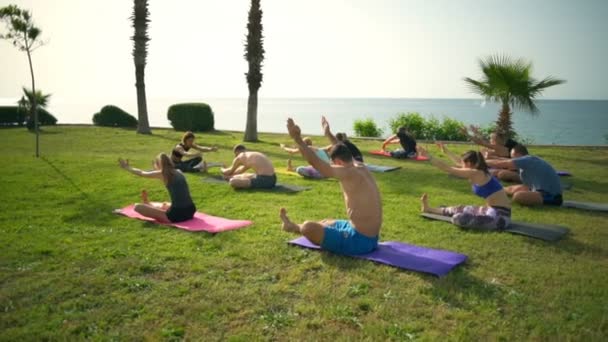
[(414, 122), (113, 116), (366, 128), (44, 119), (196, 117), (11, 115), (429, 129)]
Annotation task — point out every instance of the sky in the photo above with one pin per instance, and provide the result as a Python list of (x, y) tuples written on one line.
[(314, 48)]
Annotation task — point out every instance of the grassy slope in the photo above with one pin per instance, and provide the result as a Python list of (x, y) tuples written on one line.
[(69, 268)]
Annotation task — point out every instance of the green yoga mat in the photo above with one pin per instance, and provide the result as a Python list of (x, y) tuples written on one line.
[(290, 188), (538, 231)]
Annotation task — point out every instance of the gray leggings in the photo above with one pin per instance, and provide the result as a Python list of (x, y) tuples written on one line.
[(481, 218)]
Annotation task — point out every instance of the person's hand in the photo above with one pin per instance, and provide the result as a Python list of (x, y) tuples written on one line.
[(123, 163), (294, 131), (214, 148), (325, 125)]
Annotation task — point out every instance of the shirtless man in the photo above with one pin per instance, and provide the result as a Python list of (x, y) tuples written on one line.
[(357, 235), (264, 176)]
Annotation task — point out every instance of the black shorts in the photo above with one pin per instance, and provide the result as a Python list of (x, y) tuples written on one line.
[(551, 199), (264, 182), (175, 214)]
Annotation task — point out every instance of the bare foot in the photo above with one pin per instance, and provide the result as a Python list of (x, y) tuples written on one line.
[(425, 203), (289, 165), (144, 197), (288, 226)]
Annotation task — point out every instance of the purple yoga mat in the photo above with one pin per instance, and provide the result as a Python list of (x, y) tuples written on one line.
[(402, 255)]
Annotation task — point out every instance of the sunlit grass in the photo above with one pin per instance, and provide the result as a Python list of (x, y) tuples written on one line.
[(70, 269)]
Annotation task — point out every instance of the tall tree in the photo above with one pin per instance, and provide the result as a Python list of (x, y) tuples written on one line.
[(140, 53), (254, 54), (24, 35), (509, 83)]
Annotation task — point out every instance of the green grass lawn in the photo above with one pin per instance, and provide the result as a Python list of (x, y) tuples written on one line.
[(70, 269)]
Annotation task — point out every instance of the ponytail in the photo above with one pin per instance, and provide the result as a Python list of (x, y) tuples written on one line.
[(477, 160), (166, 167)]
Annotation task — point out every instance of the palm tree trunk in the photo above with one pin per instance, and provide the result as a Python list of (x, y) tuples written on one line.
[(34, 104), (504, 123), (251, 131), (143, 127)]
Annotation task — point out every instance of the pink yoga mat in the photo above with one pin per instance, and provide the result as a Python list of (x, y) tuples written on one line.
[(200, 222), (388, 154)]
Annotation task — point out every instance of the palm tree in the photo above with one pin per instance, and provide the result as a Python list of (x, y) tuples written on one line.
[(140, 53), (508, 82), (254, 54), (25, 105)]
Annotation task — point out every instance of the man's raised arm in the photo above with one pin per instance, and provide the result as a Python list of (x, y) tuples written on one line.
[(308, 154)]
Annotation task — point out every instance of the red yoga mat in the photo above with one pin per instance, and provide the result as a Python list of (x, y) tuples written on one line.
[(200, 222), (388, 154)]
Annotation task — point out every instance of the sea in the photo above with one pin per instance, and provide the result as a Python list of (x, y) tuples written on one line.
[(559, 122)]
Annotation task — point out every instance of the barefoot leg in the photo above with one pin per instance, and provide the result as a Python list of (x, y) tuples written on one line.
[(425, 208)]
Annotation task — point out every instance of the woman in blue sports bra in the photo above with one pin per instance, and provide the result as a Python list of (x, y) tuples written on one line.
[(495, 215)]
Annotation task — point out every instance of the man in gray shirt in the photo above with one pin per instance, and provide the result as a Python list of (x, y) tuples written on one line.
[(541, 183)]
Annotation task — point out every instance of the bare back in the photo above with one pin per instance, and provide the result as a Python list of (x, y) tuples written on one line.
[(258, 162), (362, 198)]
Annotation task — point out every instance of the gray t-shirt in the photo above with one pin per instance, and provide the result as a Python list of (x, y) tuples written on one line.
[(537, 174), (178, 189)]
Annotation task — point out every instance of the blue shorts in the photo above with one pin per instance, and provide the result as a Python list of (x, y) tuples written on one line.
[(401, 154), (342, 238)]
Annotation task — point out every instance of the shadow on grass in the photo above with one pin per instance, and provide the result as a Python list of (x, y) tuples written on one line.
[(462, 290), (86, 209), (65, 177)]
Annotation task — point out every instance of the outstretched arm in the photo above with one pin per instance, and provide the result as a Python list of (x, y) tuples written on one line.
[(289, 150), (204, 149), (502, 164), (189, 154), (148, 174), (325, 124), (308, 154), (390, 140), (462, 173)]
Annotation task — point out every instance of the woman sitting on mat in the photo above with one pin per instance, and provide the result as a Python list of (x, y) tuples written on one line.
[(181, 207), (194, 162), (407, 141), (495, 215), (307, 171)]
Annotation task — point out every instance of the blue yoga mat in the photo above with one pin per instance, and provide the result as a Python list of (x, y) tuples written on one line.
[(403, 255)]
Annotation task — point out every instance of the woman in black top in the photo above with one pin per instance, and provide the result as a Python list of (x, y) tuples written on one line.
[(195, 162), (181, 207), (407, 141)]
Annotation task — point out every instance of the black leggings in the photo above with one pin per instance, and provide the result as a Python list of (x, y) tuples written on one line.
[(188, 165)]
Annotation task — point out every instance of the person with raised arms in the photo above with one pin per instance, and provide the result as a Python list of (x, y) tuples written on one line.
[(541, 184), (194, 160), (181, 207), (263, 177), (360, 233), (495, 215), (498, 147), (341, 138)]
